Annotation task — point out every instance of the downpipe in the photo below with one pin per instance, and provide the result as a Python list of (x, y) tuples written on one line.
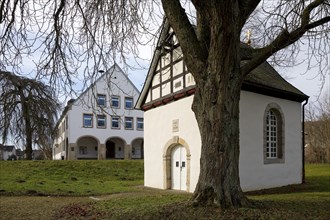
[(303, 141)]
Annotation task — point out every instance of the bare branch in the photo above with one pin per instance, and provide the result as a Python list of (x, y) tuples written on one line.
[(186, 35), (287, 36)]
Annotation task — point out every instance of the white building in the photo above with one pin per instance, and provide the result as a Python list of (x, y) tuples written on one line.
[(101, 123), (7, 151), (270, 125)]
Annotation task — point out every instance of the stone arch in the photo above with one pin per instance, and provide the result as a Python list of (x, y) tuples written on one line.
[(137, 148), (175, 141), (115, 148), (87, 147)]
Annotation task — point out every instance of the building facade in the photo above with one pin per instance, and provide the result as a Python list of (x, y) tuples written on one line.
[(7, 152), (270, 125), (102, 123)]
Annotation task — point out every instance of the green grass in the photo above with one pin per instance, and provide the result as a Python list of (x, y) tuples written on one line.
[(75, 178), (116, 185)]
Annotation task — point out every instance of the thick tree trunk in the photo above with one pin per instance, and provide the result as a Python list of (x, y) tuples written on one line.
[(217, 113), (216, 107)]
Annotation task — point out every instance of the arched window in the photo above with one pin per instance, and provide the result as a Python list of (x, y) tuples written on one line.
[(273, 134)]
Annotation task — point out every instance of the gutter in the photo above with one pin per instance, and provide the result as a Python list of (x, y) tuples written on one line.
[(303, 142)]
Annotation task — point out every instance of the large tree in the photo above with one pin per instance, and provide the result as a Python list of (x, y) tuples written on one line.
[(100, 31), (28, 111)]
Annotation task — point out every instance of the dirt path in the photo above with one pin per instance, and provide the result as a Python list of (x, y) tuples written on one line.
[(47, 207), (34, 207)]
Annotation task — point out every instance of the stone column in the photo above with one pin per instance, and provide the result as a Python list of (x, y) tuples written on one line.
[(128, 152), (72, 151), (101, 152)]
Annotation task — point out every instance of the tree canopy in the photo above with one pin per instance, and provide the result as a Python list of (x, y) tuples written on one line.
[(28, 111)]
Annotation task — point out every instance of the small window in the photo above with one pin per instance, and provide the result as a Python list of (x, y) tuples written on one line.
[(115, 122), (82, 150), (101, 100), (101, 121), (115, 101), (139, 124), (128, 103), (88, 120), (128, 123), (273, 134), (66, 122)]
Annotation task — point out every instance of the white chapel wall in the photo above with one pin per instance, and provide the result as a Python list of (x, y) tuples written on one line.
[(254, 173)]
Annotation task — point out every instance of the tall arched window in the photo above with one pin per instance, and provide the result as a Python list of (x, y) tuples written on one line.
[(273, 134)]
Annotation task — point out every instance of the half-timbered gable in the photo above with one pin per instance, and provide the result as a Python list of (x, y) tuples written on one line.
[(171, 79)]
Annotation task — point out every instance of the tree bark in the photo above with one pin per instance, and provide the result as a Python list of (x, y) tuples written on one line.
[(217, 114), (216, 108)]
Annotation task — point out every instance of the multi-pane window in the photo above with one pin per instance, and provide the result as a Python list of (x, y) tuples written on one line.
[(128, 123), (88, 120), (128, 103), (82, 150), (101, 100), (101, 121), (139, 123), (115, 101), (115, 122), (274, 140), (271, 135)]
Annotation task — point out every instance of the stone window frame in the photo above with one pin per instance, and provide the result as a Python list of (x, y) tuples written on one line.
[(115, 117), (88, 115), (131, 100), (118, 99), (101, 97), (139, 121), (99, 117), (277, 110), (131, 120)]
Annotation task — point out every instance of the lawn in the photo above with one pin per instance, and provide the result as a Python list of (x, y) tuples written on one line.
[(113, 190), (74, 178)]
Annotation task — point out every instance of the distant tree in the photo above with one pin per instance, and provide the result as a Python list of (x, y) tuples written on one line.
[(28, 110), (70, 34), (317, 131)]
